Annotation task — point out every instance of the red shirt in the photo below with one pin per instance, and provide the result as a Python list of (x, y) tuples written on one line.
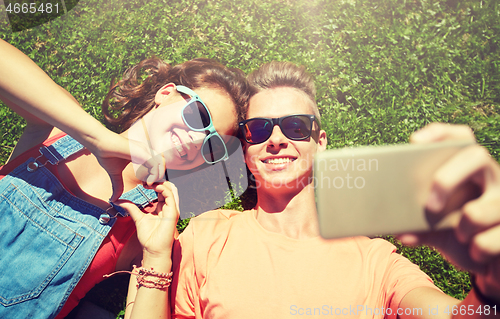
[(105, 260)]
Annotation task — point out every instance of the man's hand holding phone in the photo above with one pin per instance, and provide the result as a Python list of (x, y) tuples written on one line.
[(467, 185)]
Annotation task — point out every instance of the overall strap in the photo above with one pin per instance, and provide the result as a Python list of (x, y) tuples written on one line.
[(67, 146), (139, 196), (61, 149)]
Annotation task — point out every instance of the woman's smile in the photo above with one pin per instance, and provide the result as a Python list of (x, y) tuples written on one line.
[(178, 145)]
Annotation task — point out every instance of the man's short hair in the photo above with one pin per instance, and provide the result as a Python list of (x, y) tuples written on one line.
[(284, 74)]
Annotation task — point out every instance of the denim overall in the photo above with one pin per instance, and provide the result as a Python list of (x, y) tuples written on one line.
[(48, 237)]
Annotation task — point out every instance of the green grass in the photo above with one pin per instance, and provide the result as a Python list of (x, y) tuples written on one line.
[(383, 68)]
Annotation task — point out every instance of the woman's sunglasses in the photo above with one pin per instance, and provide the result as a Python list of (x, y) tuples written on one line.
[(197, 117), (294, 127)]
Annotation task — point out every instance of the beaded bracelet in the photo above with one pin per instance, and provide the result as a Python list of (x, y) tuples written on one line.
[(162, 282), (479, 295)]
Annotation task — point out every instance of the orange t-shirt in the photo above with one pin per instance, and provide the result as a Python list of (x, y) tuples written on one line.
[(227, 266)]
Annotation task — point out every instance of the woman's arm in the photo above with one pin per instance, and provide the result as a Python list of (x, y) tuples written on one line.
[(32, 94), (36, 130), (147, 302), (156, 234)]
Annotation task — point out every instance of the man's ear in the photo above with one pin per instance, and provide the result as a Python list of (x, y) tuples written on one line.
[(163, 92), (322, 141)]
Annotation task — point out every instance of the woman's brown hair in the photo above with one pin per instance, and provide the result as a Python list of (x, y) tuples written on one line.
[(134, 95)]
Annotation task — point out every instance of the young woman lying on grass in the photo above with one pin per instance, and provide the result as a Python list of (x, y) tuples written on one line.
[(269, 262), (57, 191)]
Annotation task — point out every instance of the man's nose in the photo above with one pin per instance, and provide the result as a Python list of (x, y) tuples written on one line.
[(277, 137)]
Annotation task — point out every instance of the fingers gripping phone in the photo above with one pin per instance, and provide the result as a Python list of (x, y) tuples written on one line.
[(377, 190)]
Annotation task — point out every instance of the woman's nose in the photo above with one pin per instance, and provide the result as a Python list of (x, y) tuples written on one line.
[(197, 138)]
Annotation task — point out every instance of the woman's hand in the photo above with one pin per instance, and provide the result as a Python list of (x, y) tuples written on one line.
[(114, 152), (156, 231), (469, 183)]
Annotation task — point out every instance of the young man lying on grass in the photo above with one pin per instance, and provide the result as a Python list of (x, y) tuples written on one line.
[(269, 262)]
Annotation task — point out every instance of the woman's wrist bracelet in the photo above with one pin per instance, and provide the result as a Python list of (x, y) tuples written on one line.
[(162, 281)]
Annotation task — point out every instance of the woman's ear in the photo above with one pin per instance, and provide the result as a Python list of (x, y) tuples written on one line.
[(163, 92)]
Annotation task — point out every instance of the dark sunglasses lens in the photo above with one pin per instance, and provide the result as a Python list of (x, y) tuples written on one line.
[(214, 149), (196, 115), (296, 127), (257, 131)]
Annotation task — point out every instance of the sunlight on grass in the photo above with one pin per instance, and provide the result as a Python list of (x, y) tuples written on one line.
[(383, 68)]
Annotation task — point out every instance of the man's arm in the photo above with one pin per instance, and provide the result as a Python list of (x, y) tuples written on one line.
[(468, 184), (437, 305)]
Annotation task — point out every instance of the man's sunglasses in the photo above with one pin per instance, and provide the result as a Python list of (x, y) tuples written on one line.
[(197, 117), (294, 127)]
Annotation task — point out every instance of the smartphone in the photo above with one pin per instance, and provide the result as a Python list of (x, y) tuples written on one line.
[(378, 190)]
